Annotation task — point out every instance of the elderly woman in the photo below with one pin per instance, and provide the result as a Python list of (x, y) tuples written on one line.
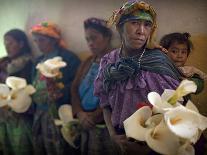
[(46, 136), (128, 74), (15, 128), (95, 139)]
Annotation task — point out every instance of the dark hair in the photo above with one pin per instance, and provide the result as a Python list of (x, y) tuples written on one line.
[(20, 36), (182, 38), (98, 24)]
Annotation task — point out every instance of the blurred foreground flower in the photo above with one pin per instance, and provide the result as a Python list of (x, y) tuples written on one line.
[(16, 94)]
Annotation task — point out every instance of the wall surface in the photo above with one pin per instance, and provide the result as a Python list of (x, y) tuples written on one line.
[(173, 15)]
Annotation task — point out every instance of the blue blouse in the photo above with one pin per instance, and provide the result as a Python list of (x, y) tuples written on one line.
[(89, 102)]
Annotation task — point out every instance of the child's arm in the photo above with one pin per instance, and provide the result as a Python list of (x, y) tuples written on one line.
[(189, 71)]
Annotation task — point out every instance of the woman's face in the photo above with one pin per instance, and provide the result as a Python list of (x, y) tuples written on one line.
[(135, 33), (178, 53), (13, 47), (97, 43), (44, 43)]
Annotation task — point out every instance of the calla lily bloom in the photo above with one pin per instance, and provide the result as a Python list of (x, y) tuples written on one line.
[(186, 87), (162, 140), (18, 98), (16, 83), (185, 123), (68, 123), (4, 91), (135, 125), (186, 149), (51, 67)]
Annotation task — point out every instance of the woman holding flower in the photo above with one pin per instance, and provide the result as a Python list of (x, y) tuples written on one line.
[(128, 74), (95, 138), (15, 128), (52, 88)]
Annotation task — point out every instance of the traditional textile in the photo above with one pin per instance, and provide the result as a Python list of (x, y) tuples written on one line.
[(130, 67), (123, 96), (49, 29)]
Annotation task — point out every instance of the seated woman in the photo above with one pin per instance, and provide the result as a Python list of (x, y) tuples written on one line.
[(179, 47), (126, 75), (46, 135), (15, 129), (95, 139)]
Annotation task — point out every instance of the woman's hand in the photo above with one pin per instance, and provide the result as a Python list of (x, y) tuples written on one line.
[(86, 120)]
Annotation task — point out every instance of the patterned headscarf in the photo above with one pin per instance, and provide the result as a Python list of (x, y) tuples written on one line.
[(135, 10), (49, 29)]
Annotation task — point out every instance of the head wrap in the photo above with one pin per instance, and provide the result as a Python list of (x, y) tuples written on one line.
[(133, 10), (50, 30)]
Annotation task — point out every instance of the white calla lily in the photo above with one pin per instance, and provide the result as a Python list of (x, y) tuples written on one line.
[(160, 104), (162, 140), (67, 121), (20, 101), (65, 113), (55, 63), (186, 87), (4, 91), (16, 83), (135, 125), (185, 123), (29, 89), (50, 68)]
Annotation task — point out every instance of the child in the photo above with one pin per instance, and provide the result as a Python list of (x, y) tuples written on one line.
[(179, 47)]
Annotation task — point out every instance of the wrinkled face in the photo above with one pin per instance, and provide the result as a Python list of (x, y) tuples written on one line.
[(178, 53), (135, 33), (96, 41), (44, 43), (13, 47)]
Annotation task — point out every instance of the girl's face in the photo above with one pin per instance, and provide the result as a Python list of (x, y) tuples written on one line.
[(178, 53), (13, 47), (135, 33), (97, 43)]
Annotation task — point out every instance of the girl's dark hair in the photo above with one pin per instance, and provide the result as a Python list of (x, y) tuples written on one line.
[(181, 38), (20, 36), (98, 24)]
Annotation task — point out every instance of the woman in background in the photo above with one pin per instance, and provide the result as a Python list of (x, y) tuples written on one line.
[(47, 138), (15, 129), (95, 138)]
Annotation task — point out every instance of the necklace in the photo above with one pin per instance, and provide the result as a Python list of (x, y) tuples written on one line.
[(139, 60)]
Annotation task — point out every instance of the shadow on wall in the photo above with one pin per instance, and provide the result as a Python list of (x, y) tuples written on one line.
[(198, 59)]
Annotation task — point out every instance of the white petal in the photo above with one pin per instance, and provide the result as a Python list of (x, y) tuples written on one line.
[(154, 120), (55, 63), (182, 122), (162, 140), (65, 113), (191, 106), (21, 102), (188, 87), (135, 125), (4, 92), (16, 83), (58, 122), (186, 149), (30, 89)]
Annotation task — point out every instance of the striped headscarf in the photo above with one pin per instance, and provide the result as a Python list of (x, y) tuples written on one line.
[(49, 29)]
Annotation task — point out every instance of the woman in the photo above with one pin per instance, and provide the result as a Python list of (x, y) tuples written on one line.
[(95, 138), (16, 137), (128, 74), (46, 136), (179, 47)]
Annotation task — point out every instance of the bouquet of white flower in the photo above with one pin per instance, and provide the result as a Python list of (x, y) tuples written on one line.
[(168, 127)]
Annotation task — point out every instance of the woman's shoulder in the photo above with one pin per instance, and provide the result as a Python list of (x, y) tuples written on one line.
[(112, 56)]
